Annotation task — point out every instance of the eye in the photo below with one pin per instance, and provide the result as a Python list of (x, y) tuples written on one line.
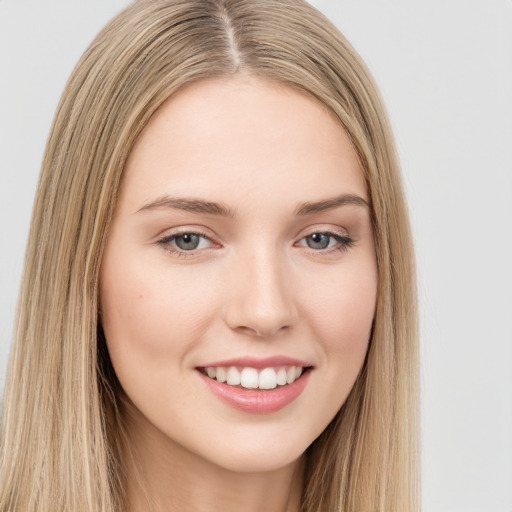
[(325, 240), (185, 242)]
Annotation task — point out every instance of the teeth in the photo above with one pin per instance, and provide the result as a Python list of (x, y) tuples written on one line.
[(281, 377), (233, 376), (221, 374), (251, 378), (268, 379), (290, 375)]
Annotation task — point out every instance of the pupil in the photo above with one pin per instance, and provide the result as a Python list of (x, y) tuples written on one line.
[(187, 242), (318, 241)]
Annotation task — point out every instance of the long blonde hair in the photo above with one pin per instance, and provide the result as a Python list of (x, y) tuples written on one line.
[(62, 429)]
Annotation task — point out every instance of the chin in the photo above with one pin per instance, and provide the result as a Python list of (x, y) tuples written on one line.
[(259, 454), (257, 462)]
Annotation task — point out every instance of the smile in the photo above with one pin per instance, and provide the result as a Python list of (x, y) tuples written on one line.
[(256, 385), (254, 378)]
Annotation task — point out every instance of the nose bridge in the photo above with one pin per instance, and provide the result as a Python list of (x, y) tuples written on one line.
[(261, 301)]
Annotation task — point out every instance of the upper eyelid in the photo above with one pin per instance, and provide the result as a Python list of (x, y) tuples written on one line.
[(194, 230), (302, 234), (333, 234), (172, 236), (342, 239), (165, 242), (334, 230)]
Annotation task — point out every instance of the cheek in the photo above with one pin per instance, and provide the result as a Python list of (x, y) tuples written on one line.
[(149, 314), (343, 312), (342, 316)]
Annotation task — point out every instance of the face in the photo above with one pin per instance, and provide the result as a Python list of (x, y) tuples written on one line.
[(239, 281)]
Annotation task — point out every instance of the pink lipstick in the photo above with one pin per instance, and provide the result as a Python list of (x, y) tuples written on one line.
[(256, 385)]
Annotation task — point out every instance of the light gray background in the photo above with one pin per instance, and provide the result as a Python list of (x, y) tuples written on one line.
[(445, 71)]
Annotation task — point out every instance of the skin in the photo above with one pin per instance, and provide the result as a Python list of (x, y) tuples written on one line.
[(252, 287)]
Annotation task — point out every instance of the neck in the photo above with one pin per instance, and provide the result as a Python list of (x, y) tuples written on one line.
[(162, 475)]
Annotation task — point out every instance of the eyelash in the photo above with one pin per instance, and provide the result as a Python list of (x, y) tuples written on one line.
[(344, 242), (166, 242)]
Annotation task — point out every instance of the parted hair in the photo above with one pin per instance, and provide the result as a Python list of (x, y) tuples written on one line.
[(62, 430)]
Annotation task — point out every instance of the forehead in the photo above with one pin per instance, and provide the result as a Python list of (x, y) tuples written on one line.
[(240, 136)]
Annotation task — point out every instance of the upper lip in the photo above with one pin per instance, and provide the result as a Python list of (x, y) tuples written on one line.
[(259, 362)]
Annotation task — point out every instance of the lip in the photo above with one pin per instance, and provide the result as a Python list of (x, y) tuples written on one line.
[(258, 362), (252, 400)]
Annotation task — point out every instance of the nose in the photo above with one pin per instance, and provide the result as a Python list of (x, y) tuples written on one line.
[(261, 301)]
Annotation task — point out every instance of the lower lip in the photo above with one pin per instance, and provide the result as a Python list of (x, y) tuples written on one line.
[(257, 401)]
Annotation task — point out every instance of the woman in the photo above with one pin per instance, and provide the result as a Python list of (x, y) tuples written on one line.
[(218, 302)]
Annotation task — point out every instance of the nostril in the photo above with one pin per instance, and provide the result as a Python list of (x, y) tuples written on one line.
[(262, 332)]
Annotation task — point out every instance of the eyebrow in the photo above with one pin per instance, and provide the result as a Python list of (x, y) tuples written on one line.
[(309, 208), (220, 209), (189, 205)]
